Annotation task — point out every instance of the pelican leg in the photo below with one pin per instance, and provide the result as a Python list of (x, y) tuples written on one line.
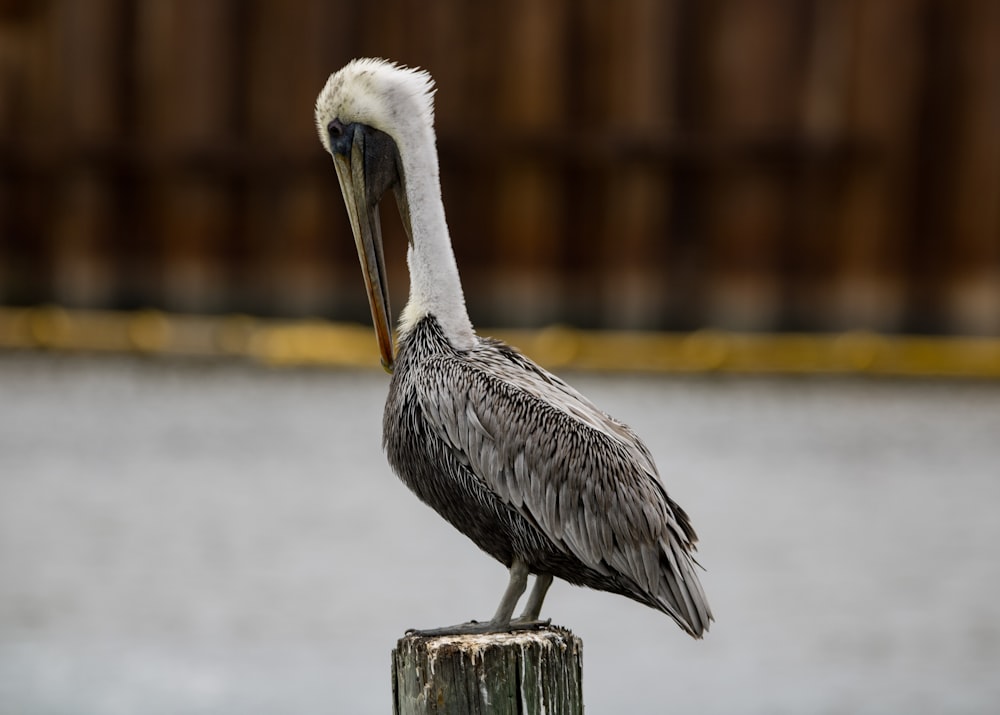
[(501, 621), (533, 607), (515, 588)]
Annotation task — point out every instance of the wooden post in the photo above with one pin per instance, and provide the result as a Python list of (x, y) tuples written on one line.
[(523, 672)]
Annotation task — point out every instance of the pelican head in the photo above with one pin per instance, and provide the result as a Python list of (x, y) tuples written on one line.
[(368, 115)]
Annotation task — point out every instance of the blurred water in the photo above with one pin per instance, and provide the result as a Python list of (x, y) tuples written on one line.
[(219, 538)]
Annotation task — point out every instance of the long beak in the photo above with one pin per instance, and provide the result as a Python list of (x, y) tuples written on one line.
[(362, 207)]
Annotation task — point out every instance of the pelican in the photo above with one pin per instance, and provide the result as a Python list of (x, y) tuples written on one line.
[(513, 457)]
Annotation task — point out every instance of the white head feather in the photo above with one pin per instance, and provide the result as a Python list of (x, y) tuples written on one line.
[(399, 101), (384, 95)]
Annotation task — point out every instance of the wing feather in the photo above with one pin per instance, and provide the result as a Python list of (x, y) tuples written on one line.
[(585, 479)]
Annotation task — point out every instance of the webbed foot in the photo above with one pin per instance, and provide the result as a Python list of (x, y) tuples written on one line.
[(480, 627)]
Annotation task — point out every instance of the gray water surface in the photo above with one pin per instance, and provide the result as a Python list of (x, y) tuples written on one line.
[(186, 537)]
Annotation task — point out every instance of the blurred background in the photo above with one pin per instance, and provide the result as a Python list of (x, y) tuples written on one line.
[(769, 165), (741, 186)]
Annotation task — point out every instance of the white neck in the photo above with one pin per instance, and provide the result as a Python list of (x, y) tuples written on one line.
[(435, 288)]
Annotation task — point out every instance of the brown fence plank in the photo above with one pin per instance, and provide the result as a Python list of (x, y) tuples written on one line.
[(752, 98), (28, 81), (293, 251), (810, 260), (871, 280), (188, 111), (634, 74), (974, 199), (525, 281), (84, 269)]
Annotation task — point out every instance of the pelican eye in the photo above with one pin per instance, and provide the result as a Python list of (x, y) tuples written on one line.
[(341, 136)]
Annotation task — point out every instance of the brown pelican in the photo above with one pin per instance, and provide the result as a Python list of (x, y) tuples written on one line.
[(512, 456)]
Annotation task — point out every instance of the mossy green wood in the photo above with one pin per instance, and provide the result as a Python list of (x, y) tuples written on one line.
[(520, 673)]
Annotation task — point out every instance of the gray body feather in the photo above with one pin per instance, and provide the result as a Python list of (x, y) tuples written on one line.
[(527, 467)]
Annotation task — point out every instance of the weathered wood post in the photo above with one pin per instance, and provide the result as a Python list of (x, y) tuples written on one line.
[(523, 672)]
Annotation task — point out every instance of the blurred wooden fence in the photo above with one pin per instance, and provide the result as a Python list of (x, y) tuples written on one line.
[(763, 165)]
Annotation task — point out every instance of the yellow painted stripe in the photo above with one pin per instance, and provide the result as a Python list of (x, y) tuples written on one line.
[(317, 342)]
